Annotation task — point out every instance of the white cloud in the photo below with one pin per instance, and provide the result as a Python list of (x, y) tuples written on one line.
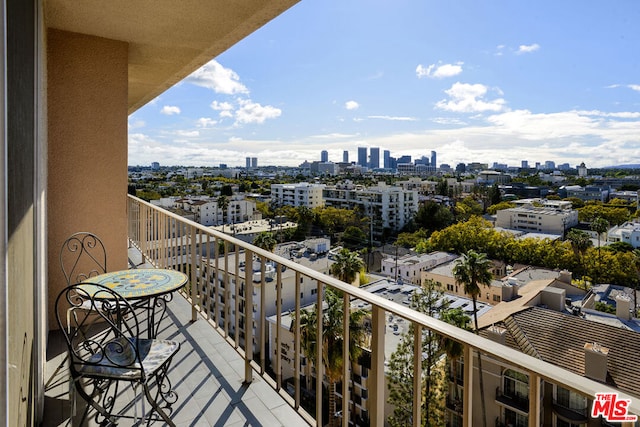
[(523, 48), (225, 108), (469, 98), (136, 124), (206, 122), (335, 136), (188, 133), (634, 87), (170, 110), (351, 105), (252, 112), (394, 118), (214, 76), (439, 71)]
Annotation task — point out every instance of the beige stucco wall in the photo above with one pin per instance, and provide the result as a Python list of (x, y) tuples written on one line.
[(87, 147)]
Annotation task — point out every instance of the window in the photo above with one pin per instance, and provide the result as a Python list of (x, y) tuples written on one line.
[(571, 400), (515, 384), (496, 298), (515, 419), (563, 423)]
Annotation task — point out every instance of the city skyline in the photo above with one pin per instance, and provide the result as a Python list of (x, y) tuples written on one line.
[(500, 82)]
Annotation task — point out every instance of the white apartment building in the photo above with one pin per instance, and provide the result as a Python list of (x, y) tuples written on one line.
[(538, 216), (207, 212), (262, 308), (390, 207), (300, 194), (416, 183), (409, 268), (628, 232)]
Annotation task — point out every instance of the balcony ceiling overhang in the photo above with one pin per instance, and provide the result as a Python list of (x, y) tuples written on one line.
[(168, 39)]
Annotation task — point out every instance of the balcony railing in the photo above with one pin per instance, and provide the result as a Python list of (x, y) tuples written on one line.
[(213, 262), (512, 399)]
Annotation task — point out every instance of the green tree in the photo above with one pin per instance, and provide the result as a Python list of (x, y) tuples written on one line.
[(400, 373), (346, 266), (266, 241), (471, 270), (636, 264), (580, 242), (332, 341), (354, 238), (499, 206), (433, 216), (599, 225)]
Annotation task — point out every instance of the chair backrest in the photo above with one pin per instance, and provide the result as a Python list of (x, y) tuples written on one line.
[(101, 336), (82, 256)]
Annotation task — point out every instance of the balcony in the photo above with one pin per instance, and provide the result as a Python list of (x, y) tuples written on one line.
[(208, 375), (220, 383), (512, 400)]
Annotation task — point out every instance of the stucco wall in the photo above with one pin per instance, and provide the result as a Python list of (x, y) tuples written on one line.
[(87, 147)]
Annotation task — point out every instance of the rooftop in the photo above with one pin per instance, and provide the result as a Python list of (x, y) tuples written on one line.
[(542, 327)]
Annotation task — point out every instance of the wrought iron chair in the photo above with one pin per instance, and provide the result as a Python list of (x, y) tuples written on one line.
[(105, 349), (82, 256)]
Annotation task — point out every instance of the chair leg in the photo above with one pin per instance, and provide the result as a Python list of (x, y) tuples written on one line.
[(101, 390), (156, 407)]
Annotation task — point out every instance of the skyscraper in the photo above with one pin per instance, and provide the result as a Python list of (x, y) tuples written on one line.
[(324, 156), (248, 162), (434, 165), (374, 159), (254, 162), (386, 154), (362, 156), (345, 156)]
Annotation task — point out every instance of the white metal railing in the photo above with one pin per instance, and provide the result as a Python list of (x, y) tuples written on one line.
[(222, 290)]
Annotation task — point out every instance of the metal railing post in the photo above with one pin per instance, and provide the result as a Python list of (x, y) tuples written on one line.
[(467, 393), (248, 318), (417, 375), (377, 383)]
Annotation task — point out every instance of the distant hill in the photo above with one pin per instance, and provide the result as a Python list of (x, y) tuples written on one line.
[(631, 166)]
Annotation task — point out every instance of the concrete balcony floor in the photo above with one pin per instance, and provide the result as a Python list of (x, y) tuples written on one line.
[(207, 374)]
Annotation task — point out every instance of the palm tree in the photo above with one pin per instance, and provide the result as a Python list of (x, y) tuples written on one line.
[(580, 242), (636, 261), (599, 225), (266, 241), (347, 266), (473, 269), (223, 203), (332, 341)]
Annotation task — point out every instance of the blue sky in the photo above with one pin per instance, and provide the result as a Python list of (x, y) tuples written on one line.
[(488, 81)]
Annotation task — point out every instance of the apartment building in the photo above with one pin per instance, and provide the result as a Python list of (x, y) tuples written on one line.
[(389, 207), (590, 192), (206, 211), (629, 232), (409, 267), (505, 286), (228, 305), (300, 194), (543, 322), (595, 350), (395, 327), (538, 216), (416, 183)]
